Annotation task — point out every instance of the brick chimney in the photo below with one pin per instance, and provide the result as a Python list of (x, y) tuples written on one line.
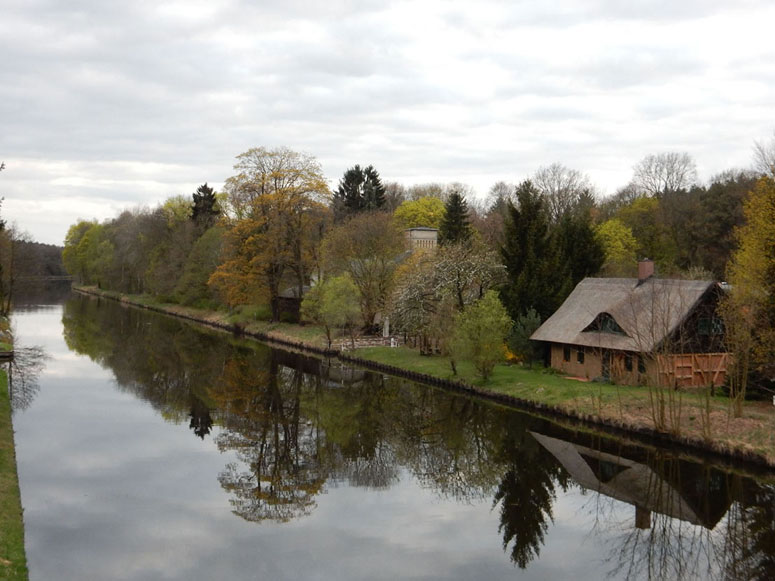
[(645, 270)]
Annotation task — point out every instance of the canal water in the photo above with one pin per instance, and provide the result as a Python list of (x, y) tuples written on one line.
[(151, 448)]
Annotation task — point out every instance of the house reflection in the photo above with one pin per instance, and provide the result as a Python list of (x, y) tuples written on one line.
[(663, 485)]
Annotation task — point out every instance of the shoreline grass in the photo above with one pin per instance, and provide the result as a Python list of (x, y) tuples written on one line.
[(13, 562)]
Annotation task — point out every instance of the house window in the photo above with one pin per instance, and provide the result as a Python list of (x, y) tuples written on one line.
[(641, 364), (605, 323), (566, 353), (580, 355), (710, 326), (628, 362)]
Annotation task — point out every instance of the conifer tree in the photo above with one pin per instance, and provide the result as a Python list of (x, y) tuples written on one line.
[(360, 189), (537, 275), (582, 251), (455, 226), (205, 209)]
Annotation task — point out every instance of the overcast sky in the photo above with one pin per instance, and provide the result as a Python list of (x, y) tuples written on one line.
[(107, 105)]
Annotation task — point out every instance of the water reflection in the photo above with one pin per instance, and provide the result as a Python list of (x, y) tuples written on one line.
[(23, 375), (298, 426)]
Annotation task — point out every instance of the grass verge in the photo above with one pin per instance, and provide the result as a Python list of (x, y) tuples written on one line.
[(13, 563)]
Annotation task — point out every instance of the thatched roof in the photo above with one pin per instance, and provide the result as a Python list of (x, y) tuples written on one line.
[(644, 313)]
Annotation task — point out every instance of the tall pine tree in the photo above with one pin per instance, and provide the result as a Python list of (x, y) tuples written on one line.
[(359, 190), (537, 275), (581, 250), (455, 226), (204, 210)]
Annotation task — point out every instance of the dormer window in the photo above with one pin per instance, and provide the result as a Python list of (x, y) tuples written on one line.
[(605, 323)]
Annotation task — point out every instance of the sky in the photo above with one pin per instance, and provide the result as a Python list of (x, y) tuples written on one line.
[(106, 106)]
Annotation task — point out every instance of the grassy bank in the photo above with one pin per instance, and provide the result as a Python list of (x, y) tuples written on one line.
[(13, 564), (688, 415)]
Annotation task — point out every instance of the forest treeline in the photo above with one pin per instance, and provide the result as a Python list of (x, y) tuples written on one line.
[(277, 230)]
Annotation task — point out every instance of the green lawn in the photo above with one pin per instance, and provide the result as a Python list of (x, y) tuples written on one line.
[(13, 564), (537, 384)]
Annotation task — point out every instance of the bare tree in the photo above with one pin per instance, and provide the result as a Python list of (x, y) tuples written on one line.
[(764, 156), (561, 186), (664, 172), (395, 194)]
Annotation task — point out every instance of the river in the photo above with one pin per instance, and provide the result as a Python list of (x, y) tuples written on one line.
[(152, 448)]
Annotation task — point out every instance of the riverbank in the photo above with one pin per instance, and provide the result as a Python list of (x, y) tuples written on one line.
[(13, 563), (692, 421)]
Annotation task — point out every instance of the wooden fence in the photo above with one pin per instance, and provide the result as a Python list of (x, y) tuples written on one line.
[(693, 369)]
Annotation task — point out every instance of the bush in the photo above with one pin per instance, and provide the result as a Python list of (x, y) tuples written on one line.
[(480, 331), (519, 339)]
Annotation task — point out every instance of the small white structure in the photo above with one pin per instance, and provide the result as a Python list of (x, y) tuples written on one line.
[(422, 237)]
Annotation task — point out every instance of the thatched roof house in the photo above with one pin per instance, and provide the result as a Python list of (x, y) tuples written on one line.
[(668, 326)]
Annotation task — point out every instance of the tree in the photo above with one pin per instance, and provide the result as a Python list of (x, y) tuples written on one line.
[(277, 199), (204, 210), (664, 172), (395, 195), (562, 187), (424, 212), (466, 270), (433, 287), (367, 246), (201, 262), (9, 239), (764, 157), (360, 189), (749, 309), (334, 303), (537, 277), (480, 331), (455, 226), (519, 339), (175, 233), (72, 262), (263, 171), (624, 196), (582, 250), (646, 221), (721, 211), (619, 246)]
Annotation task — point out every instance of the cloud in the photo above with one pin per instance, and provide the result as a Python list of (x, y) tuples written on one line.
[(441, 90)]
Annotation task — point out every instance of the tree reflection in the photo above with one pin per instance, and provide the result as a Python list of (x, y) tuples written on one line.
[(526, 494), (23, 375), (449, 443), (749, 543), (281, 475), (201, 420)]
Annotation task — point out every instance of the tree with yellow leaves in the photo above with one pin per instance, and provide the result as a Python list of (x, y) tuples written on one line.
[(749, 307), (278, 217)]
